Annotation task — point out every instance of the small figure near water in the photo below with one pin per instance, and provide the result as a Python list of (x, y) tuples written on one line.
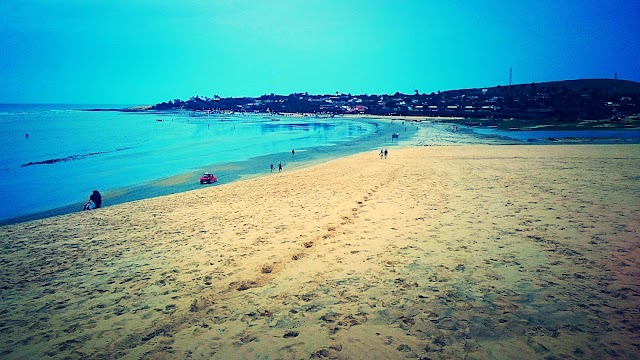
[(279, 166), (271, 167), (26, 135), (97, 198), (95, 201), (293, 151), (381, 153), (385, 153)]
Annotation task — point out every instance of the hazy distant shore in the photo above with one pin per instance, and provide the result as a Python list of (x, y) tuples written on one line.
[(631, 122)]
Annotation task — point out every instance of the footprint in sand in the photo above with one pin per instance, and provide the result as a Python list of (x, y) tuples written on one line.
[(290, 334)]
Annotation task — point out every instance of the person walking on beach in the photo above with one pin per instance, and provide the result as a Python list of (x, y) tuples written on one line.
[(385, 153), (381, 153), (271, 167), (279, 166)]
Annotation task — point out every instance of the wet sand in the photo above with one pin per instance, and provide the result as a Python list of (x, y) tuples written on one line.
[(259, 165), (483, 252)]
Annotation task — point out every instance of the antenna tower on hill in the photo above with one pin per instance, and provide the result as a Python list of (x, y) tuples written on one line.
[(510, 75)]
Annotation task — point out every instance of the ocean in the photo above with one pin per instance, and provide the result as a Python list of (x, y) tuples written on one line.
[(54, 156)]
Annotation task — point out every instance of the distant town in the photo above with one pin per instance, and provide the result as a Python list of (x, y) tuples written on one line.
[(615, 102)]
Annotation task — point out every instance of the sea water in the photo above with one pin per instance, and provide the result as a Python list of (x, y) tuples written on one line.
[(53, 156), (56, 155)]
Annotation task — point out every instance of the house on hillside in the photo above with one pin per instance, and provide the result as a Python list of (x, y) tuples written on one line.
[(488, 108)]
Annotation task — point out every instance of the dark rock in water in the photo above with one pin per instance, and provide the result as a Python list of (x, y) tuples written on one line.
[(69, 158)]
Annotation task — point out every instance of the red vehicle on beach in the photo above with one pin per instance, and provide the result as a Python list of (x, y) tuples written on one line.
[(208, 178)]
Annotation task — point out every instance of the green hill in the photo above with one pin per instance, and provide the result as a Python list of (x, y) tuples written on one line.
[(610, 87)]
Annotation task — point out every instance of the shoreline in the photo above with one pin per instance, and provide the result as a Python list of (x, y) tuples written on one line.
[(230, 172), (235, 171), (490, 252)]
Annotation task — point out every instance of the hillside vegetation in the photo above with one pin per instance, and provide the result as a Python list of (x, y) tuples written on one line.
[(609, 102)]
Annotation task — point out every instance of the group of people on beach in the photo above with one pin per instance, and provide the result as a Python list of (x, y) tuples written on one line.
[(279, 167), (383, 153), (95, 201), (293, 152)]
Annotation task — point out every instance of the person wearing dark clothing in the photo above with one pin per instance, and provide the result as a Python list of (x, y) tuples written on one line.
[(96, 198), (279, 167)]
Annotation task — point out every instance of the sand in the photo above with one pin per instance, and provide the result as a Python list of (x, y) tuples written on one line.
[(478, 252)]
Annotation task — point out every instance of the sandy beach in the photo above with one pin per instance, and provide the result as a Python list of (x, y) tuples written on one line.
[(437, 252)]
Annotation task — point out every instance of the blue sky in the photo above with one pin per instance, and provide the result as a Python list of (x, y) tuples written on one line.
[(145, 52)]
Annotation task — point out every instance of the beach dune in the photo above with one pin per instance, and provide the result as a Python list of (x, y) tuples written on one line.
[(483, 252)]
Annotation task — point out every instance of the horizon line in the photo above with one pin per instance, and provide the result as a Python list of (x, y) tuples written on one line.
[(342, 93)]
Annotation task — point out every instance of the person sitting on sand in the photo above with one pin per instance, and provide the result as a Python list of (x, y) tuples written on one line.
[(96, 198), (89, 205)]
